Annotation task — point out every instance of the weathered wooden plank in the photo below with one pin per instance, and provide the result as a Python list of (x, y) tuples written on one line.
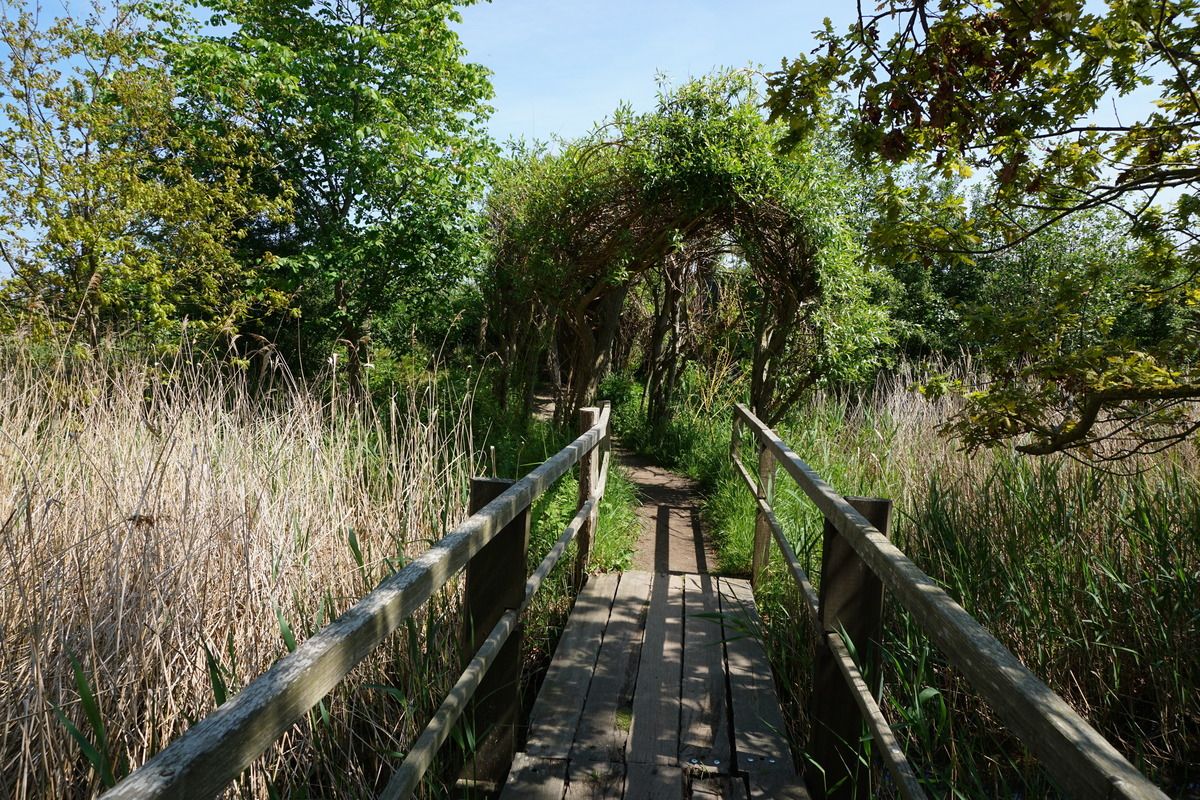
[(704, 722), (653, 782), (886, 747), (494, 583), (811, 600), (851, 602), (406, 778), (654, 736), (595, 781), (533, 778), (608, 711), (1081, 761), (761, 555), (215, 750), (555, 715), (759, 732), (779, 785), (588, 478), (719, 787)]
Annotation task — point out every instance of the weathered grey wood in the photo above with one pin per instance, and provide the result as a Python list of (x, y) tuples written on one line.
[(421, 755), (595, 780), (495, 584), (759, 731), (764, 492), (811, 599), (653, 782), (851, 601), (588, 478), (704, 720), (555, 715), (719, 787), (777, 786), (556, 551), (886, 747), (215, 750), (608, 711), (533, 778), (654, 736), (1079, 759)]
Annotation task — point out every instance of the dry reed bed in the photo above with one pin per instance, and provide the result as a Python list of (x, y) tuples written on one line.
[(168, 536), (1092, 579)]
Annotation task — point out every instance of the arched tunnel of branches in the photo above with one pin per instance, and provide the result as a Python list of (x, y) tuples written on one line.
[(674, 236)]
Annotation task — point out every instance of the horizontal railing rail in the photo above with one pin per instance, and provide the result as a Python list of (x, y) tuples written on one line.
[(1075, 756), (216, 750)]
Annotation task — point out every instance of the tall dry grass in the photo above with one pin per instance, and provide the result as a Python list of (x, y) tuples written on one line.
[(1091, 578), (168, 534)]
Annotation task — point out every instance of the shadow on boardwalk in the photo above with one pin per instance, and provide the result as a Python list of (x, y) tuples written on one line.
[(673, 538)]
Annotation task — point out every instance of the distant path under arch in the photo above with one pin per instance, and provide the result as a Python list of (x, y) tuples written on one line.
[(673, 536)]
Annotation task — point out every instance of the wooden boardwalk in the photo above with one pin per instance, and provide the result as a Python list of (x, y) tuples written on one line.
[(657, 690)]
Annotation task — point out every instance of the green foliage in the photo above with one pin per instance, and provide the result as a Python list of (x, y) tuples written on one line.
[(1016, 90), (119, 207), (368, 113), (95, 747), (692, 193)]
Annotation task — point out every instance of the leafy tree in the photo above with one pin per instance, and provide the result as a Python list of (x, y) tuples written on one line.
[(1015, 89), (675, 200), (119, 208), (371, 116)]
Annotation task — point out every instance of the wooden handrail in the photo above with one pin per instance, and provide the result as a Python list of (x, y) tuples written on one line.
[(1073, 753), (214, 751)]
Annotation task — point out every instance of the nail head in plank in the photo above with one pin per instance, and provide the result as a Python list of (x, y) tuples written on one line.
[(555, 715)]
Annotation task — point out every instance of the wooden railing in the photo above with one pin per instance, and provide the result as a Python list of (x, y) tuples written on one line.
[(492, 545), (858, 564)]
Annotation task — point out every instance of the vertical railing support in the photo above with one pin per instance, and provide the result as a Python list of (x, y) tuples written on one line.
[(589, 475), (851, 605), (762, 528), (495, 584)]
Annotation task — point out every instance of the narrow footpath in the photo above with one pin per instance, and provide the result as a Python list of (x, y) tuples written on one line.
[(673, 537)]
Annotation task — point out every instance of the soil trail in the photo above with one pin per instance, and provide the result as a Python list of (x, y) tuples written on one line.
[(673, 536)]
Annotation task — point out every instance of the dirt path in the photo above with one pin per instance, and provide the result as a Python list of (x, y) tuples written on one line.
[(673, 538)]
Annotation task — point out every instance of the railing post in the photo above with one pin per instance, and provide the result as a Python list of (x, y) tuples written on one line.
[(589, 474), (851, 602), (495, 583), (762, 528)]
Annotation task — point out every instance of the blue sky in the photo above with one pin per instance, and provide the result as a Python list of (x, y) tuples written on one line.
[(562, 66)]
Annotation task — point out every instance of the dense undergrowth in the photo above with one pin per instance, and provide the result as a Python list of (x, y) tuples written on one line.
[(169, 533), (1091, 579)]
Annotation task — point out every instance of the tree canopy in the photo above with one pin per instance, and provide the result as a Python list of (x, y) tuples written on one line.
[(684, 202), (1021, 92), (120, 206), (371, 116)]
